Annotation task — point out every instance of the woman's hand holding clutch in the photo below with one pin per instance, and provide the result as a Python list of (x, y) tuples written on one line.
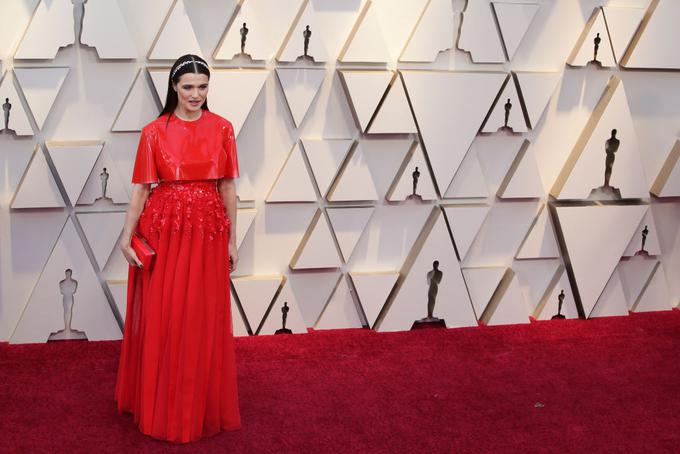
[(129, 253)]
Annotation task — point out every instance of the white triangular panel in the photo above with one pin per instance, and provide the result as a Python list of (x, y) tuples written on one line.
[(319, 249), (512, 309), (244, 188), (595, 238), (159, 77), (294, 320), (295, 47), (116, 188), (300, 87), (540, 242), (672, 186), (381, 34), (341, 310), (244, 220), (469, 181), (12, 31), (657, 46), (365, 90), (612, 302), (293, 183), (622, 23), (102, 231), (452, 302), (588, 171), (497, 153), (537, 89), (403, 186), (465, 222), (372, 290), (514, 20), (348, 224), (15, 157), (369, 31), (355, 182), (258, 42), (652, 245), (36, 231), (433, 34), (232, 104), (479, 34), (656, 296), (438, 95), (635, 273), (268, 22), (44, 312), (18, 118), (496, 119), (105, 29), (536, 278), (585, 50), (238, 326), (255, 293), (74, 162), (38, 188), (138, 109), (325, 158), (552, 303), (667, 182), (312, 289), (481, 284), (177, 36), (523, 181), (394, 115), (40, 87), (118, 290), (50, 29)]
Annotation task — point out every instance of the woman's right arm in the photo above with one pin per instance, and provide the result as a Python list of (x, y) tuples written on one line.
[(140, 192)]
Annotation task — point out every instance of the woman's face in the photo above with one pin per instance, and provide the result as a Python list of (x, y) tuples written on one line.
[(192, 90)]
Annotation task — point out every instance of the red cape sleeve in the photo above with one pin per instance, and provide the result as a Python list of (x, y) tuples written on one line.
[(145, 170), (230, 149)]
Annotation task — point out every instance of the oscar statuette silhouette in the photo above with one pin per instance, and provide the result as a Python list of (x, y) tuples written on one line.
[(560, 302), (67, 287), (434, 278), (284, 316), (606, 191)]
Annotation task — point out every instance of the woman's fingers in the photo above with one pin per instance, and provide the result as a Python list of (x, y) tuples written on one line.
[(136, 260), (130, 256), (233, 259)]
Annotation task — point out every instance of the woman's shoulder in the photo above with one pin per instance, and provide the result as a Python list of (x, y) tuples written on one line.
[(216, 118), (151, 126)]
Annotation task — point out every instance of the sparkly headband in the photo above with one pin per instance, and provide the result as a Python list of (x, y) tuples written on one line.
[(186, 63)]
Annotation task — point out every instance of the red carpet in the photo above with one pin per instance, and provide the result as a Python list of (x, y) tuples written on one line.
[(607, 385)]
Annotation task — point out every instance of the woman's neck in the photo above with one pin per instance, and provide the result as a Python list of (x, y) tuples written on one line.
[(184, 114)]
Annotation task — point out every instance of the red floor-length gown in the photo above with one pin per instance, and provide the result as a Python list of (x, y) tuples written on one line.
[(177, 371)]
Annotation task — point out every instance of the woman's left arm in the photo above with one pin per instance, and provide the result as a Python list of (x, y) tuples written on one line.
[(227, 189)]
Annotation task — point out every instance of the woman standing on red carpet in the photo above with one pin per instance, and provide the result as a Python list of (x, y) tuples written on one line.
[(177, 371)]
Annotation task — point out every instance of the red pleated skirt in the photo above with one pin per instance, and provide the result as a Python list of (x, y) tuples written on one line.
[(177, 370)]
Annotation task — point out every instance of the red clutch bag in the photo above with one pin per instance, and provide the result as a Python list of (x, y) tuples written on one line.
[(143, 251)]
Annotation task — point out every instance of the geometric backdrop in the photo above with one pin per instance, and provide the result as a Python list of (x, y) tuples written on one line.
[(477, 135)]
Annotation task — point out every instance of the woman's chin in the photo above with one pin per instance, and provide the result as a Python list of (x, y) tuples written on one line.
[(193, 107)]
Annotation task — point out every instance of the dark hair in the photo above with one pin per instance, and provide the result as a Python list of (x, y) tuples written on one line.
[(190, 64)]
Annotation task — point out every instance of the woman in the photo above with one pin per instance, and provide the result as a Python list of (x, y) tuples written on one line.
[(177, 371)]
